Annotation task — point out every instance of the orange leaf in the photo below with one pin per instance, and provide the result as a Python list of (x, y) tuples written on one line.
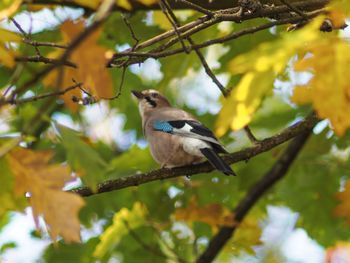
[(211, 214), (91, 65), (343, 209), (44, 182)]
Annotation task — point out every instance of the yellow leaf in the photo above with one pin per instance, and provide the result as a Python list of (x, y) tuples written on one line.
[(329, 88), (93, 4), (248, 235), (161, 20), (8, 36), (123, 221), (44, 182), (148, 2), (259, 68), (90, 60), (124, 4), (238, 109), (9, 7), (211, 214), (343, 208), (7, 55)]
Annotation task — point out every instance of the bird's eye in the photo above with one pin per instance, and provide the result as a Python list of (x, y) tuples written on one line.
[(154, 95)]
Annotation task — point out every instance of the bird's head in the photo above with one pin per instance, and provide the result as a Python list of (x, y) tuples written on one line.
[(150, 100)]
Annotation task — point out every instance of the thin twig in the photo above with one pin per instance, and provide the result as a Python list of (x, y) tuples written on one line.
[(196, 7), (132, 32), (43, 44), (40, 97), (206, 67), (120, 87), (221, 15), (143, 244), (62, 59), (172, 21), (295, 9), (39, 58), (141, 56), (250, 135)]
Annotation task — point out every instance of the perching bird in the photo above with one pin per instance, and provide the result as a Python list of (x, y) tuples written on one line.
[(175, 137)]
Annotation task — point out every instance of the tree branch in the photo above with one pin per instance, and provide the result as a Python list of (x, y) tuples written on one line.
[(40, 97), (278, 171), (45, 60), (188, 30), (245, 154), (175, 4)]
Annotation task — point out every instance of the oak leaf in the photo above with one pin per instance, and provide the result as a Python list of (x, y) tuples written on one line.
[(212, 214), (329, 88), (91, 65), (43, 182), (343, 208), (260, 66)]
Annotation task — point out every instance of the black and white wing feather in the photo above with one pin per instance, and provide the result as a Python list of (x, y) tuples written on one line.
[(189, 128)]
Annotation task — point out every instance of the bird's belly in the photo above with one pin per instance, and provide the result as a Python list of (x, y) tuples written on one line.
[(168, 150), (192, 146)]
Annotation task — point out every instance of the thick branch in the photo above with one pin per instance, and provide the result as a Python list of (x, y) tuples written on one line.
[(245, 154), (278, 171), (138, 5)]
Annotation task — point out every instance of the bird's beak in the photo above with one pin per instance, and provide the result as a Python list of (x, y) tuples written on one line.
[(137, 94)]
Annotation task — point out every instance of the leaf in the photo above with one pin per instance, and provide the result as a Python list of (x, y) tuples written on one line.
[(83, 158), (132, 161), (93, 4), (260, 66), (329, 86), (9, 7), (212, 214), (8, 199), (44, 183), (7, 55), (123, 221), (343, 208), (243, 101), (90, 59), (316, 165), (148, 2), (161, 20)]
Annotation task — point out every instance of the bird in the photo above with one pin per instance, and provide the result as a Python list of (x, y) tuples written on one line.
[(175, 137)]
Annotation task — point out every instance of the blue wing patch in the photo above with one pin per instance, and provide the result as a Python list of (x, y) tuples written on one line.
[(163, 126)]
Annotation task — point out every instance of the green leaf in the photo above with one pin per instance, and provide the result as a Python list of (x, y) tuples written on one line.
[(78, 253), (310, 189), (123, 221), (83, 158), (133, 160)]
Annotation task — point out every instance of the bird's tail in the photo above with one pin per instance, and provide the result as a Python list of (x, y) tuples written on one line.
[(216, 161)]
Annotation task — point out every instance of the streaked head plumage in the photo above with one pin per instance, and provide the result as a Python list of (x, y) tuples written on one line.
[(150, 100)]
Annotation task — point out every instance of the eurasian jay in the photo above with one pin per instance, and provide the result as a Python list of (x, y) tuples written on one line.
[(175, 137)]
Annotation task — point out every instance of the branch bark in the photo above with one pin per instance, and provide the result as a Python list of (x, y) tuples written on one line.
[(138, 6), (243, 155), (278, 171)]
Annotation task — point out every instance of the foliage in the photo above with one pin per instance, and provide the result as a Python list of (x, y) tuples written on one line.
[(68, 120)]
